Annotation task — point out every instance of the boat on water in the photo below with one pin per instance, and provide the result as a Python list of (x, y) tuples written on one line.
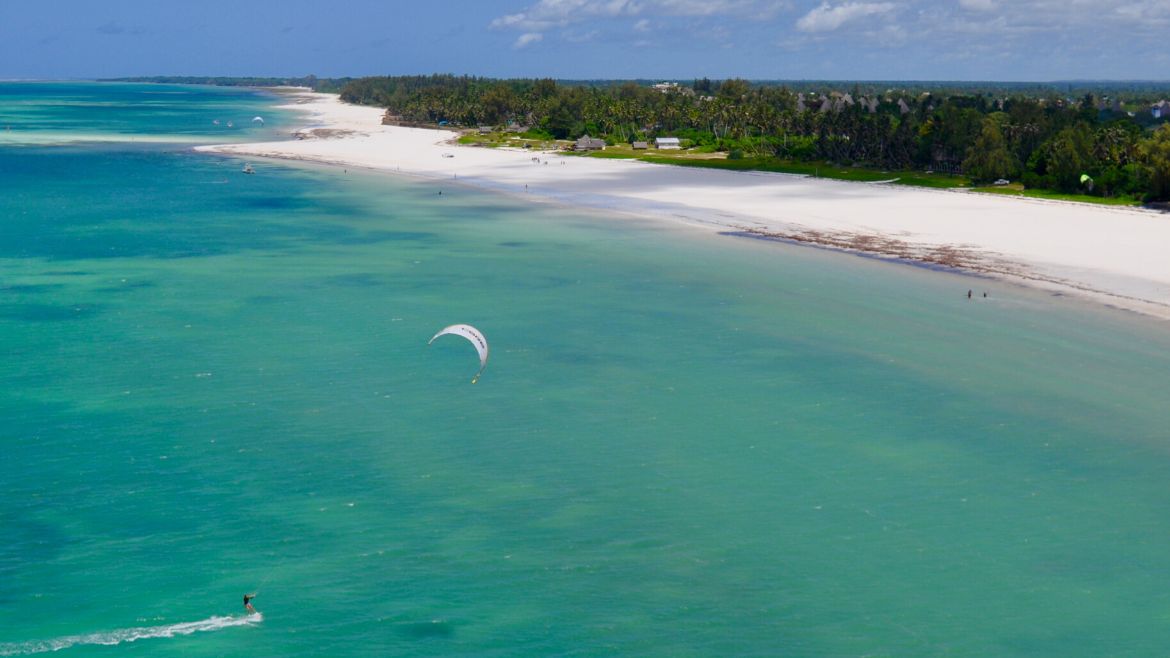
[(248, 169)]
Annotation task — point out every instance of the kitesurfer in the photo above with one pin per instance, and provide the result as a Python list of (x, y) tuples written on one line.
[(248, 603), (472, 334)]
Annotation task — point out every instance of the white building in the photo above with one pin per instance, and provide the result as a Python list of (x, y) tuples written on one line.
[(667, 143)]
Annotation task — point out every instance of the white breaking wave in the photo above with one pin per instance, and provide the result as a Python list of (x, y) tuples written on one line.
[(62, 138), (128, 635)]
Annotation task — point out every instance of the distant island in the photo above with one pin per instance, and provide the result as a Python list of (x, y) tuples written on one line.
[(1104, 141)]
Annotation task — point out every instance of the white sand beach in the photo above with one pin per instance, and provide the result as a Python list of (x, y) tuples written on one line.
[(1117, 256)]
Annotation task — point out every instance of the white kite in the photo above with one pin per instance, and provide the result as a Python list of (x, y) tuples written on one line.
[(259, 119), (472, 334)]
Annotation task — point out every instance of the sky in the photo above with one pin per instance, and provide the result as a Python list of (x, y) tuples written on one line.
[(1009, 40)]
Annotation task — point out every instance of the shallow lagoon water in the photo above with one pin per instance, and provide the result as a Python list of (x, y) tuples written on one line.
[(684, 444)]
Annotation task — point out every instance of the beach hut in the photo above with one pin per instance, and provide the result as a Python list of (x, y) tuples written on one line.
[(587, 143), (667, 143)]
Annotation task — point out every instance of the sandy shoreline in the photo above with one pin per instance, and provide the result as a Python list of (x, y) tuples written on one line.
[(1117, 256)]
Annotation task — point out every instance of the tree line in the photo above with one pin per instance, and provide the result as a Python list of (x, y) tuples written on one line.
[(1091, 144)]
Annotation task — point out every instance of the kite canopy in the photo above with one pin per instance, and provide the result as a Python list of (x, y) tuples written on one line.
[(1086, 177), (474, 336), (260, 119)]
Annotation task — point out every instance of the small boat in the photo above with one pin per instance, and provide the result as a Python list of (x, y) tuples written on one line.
[(248, 169)]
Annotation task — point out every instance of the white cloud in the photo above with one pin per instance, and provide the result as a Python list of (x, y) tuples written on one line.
[(573, 36), (559, 13), (508, 21), (1032, 35), (827, 18), (526, 39), (577, 21), (547, 14), (1152, 11), (698, 7)]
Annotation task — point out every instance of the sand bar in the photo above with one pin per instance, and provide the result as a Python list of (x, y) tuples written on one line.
[(1118, 256)]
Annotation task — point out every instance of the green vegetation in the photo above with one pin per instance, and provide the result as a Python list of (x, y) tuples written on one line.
[(936, 135), (614, 154), (531, 139), (1075, 140), (1019, 190), (815, 169)]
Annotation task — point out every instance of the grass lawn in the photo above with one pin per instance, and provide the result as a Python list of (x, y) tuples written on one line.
[(718, 160), (817, 169), (1016, 189), (496, 140)]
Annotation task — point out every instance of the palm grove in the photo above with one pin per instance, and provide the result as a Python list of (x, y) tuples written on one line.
[(1086, 145)]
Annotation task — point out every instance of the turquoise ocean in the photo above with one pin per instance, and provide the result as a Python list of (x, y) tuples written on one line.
[(684, 444)]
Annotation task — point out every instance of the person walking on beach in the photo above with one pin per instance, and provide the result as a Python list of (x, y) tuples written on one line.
[(248, 603)]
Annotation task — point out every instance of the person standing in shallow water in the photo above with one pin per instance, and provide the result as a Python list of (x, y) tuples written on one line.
[(248, 603)]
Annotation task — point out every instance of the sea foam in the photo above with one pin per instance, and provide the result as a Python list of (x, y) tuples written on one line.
[(127, 635)]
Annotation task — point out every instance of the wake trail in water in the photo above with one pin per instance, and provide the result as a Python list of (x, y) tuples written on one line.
[(128, 635)]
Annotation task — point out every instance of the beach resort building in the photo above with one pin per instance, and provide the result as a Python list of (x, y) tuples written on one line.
[(667, 143), (673, 88), (587, 143)]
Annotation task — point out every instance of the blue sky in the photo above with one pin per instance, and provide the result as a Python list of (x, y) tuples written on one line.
[(758, 39)]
